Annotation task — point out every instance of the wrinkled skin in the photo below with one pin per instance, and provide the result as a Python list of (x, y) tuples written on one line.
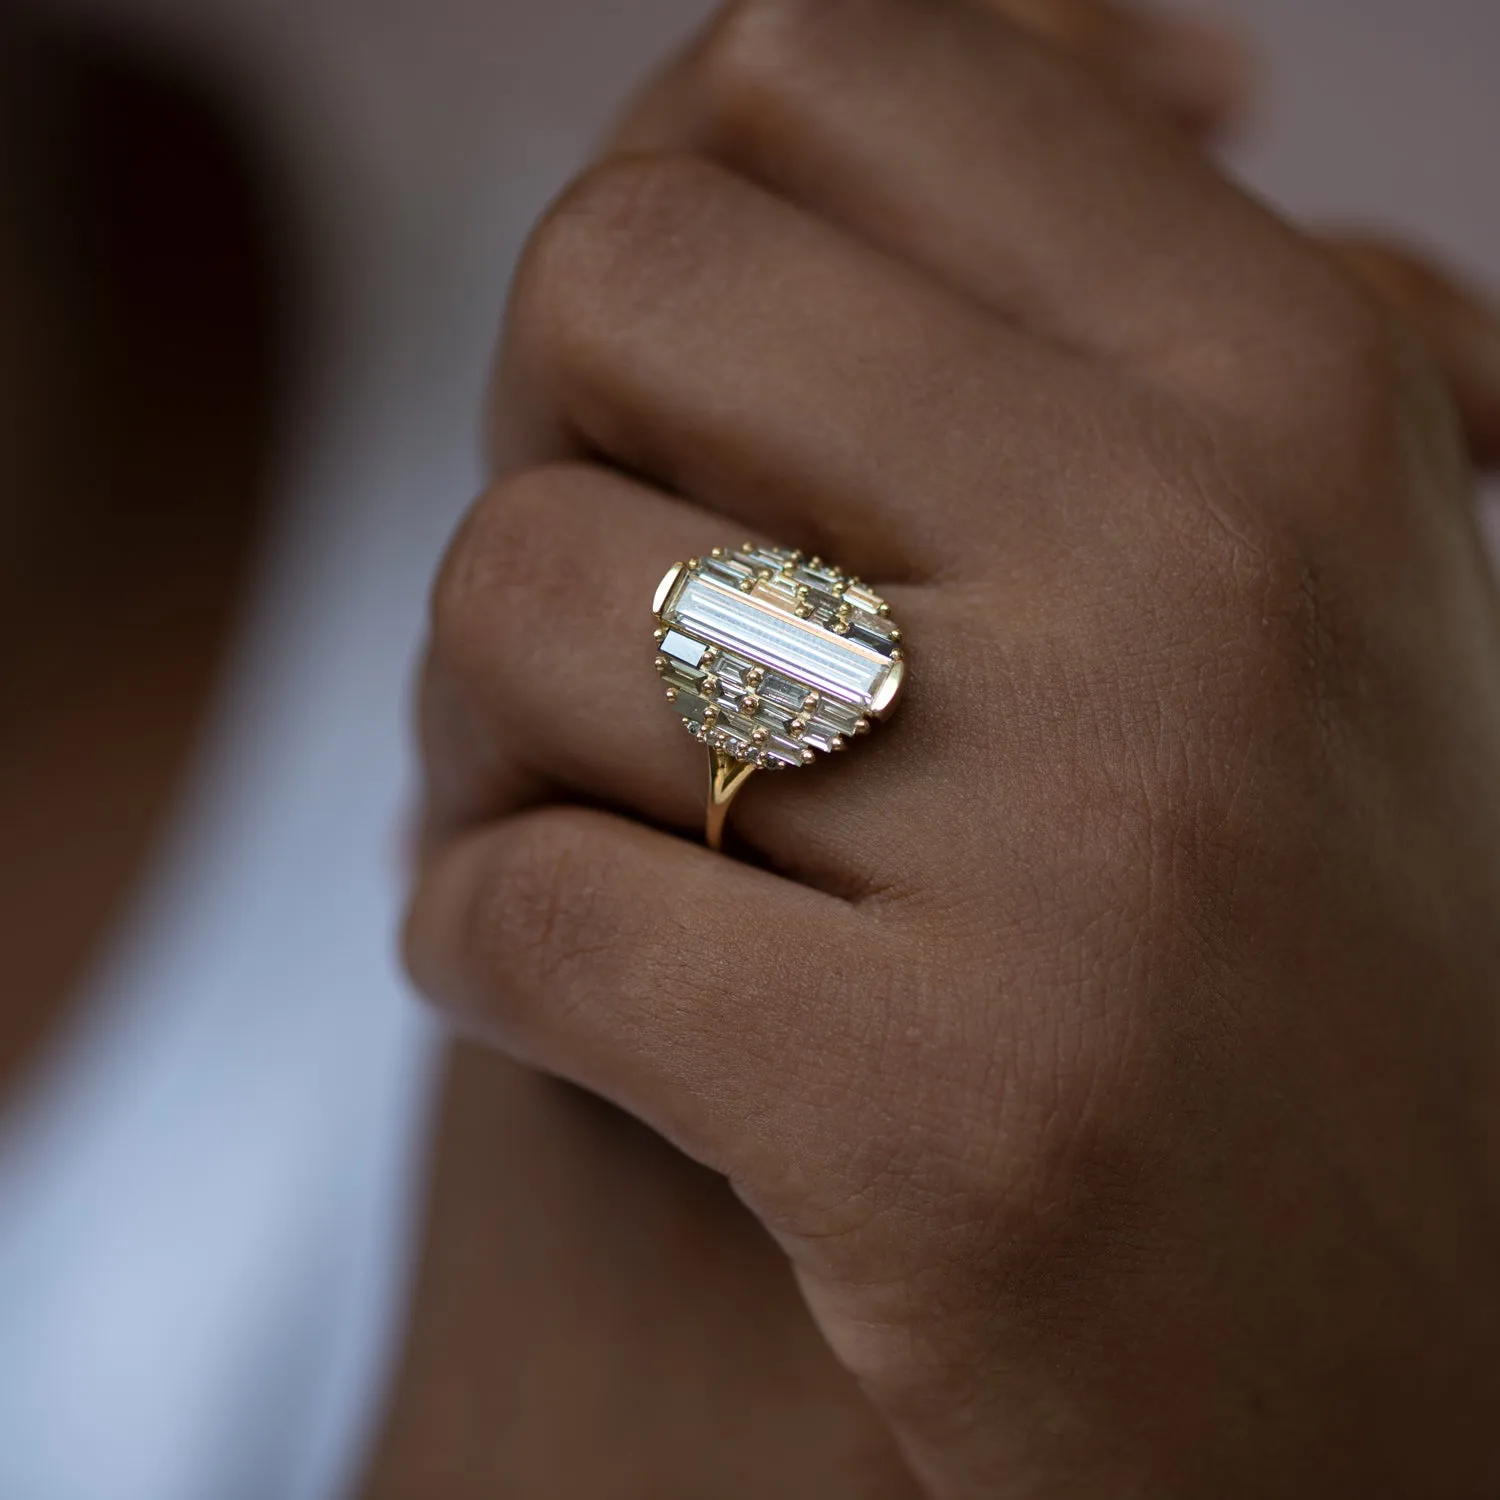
[(1110, 1044)]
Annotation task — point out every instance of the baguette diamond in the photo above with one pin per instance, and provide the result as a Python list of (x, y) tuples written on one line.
[(772, 658)]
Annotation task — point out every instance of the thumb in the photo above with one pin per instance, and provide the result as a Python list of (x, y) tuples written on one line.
[(1457, 323)]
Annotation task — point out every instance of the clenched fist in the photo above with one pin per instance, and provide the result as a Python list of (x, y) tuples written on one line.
[(1113, 1043)]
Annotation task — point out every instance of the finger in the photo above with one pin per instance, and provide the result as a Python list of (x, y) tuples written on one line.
[(1459, 327), (1196, 72), (661, 977), (945, 135), (692, 327), (539, 678), (541, 656)]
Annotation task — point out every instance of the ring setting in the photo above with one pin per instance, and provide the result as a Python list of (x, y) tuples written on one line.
[(771, 659)]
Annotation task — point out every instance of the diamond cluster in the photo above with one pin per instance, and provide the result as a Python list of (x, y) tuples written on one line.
[(771, 657)]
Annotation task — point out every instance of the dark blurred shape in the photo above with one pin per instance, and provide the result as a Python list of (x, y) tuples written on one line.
[(146, 313), (162, 246)]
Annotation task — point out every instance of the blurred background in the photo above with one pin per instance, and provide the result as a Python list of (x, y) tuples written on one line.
[(252, 264)]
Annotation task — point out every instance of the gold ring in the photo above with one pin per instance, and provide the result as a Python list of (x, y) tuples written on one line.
[(770, 658)]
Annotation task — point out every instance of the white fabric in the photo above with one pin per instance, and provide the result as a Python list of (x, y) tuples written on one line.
[(204, 1193)]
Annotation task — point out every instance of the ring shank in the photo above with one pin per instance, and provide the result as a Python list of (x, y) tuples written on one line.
[(726, 776)]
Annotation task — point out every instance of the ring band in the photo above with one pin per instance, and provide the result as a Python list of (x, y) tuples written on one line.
[(770, 659)]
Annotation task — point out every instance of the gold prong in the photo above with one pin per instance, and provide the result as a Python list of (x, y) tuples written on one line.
[(797, 727), (755, 676), (748, 547), (659, 634), (810, 703), (717, 552), (898, 654), (883, 610), (749, 704), (862, 727), (760, 736), (747, 585), (710, 656), (816, 564), (710, 685), (665, 587), (661, 664), (808, 757), (895, 637), (671, 695), (694, 563), (838, 742)]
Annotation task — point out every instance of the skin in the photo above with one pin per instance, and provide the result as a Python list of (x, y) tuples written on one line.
[(581, 1276), (1109, 1048)]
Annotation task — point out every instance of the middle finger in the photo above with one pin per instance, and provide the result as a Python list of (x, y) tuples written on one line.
[(541, 640), (687, 325)]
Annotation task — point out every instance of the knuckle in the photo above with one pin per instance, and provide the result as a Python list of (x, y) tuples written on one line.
[(598, 251), (505, 551), (535, 924), (761, 53), (1361, 390)]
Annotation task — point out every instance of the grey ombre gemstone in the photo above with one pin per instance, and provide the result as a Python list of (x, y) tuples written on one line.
[(771, 658)]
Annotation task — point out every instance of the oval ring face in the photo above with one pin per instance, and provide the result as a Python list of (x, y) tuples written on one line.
[(771, 658)]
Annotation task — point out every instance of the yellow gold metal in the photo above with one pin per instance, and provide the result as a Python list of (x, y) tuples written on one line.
[(726, 776), (664, 589), (884, 701)]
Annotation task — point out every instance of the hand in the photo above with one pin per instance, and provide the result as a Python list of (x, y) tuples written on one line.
[(1113, 1049), (594, 1313)]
